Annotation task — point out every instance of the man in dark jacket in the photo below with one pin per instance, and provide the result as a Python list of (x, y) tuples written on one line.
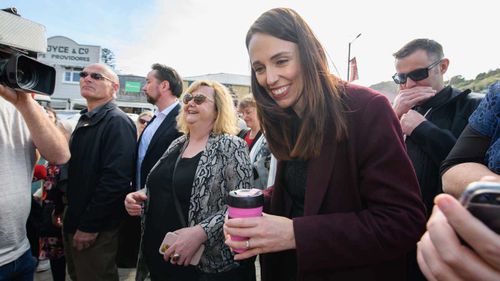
[(432, 115), (163, 87), (99, 177)]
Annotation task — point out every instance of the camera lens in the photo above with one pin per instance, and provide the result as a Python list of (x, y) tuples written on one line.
[(27, 76)]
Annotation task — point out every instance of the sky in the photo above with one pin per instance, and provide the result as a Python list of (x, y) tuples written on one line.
[(198, 37)]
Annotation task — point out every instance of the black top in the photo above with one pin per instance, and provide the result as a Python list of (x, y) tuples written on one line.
[(471, 146), (162, 216), (432, 140), (294, 179), (295, 173)]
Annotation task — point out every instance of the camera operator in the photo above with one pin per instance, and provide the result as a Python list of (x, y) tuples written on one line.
[(24, 125)]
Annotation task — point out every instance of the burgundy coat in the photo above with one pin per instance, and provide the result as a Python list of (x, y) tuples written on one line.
[(363, 210)]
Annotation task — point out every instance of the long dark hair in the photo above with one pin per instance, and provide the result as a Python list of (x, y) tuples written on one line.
[(323, 115)]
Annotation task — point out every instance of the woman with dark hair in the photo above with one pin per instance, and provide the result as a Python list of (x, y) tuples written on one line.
[(52, 202), (346, 203)]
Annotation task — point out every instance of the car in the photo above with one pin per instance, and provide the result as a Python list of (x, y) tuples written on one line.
[(133, 116), (67, 113), (71, 117)]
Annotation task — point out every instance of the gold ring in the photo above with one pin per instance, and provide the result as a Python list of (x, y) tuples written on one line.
[(247, 244), (176, 257)]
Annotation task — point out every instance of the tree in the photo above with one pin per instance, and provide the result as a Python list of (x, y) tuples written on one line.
[(108, 57), (481, 76), (457, 79)]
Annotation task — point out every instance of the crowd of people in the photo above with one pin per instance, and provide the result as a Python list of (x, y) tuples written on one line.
[(354, 186)]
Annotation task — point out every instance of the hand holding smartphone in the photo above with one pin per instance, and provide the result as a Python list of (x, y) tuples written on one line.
[(482, 199), (170, 239)]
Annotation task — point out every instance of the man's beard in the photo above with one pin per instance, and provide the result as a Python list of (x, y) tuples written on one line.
[(151, 100)]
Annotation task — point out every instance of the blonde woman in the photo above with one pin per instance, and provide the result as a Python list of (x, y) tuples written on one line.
[(198, 170), (142, 121)]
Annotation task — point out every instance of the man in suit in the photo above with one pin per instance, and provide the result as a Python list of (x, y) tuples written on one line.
[(163, 87)]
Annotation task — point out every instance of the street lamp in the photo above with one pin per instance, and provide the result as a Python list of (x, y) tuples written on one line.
[(349, 56)]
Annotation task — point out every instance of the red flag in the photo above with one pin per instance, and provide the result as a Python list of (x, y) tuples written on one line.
[(353, 70)]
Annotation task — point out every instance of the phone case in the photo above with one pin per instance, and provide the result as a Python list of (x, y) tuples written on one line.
[(481, 199), (197, 256), (170, 239)]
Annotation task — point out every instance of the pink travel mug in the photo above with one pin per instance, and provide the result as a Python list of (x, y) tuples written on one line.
[(244, 203)]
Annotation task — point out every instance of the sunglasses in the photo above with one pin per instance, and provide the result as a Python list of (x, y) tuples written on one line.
[(415, 75), (198, 99), (95, 76), (143, 121)]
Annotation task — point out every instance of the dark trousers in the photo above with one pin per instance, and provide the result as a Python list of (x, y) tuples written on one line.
[(33, 227), (58, 268), (129, 237), (96, 263)]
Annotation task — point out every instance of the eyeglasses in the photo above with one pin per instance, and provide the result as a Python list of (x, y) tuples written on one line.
[(415, 75), (198, 99), (143, 121), (95, 76)]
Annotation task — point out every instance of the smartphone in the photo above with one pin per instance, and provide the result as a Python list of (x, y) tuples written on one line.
[(170, 239), (482, 199)]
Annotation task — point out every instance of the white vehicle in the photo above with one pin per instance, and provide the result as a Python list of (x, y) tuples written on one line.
[(133, 116), (71, 117), (67, 113), (43, 100)]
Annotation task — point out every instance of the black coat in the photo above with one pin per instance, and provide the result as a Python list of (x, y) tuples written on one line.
[(432, 140), (130, 231), (164, 135), (100, 169)]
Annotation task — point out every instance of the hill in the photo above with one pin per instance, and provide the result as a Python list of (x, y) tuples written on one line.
[(479, 84), (388, 88)]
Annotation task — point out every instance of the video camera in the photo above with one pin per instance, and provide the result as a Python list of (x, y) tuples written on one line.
[(20, 41)]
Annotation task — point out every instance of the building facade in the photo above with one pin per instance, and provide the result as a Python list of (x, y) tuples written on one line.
[(69, 58), (239, 85)]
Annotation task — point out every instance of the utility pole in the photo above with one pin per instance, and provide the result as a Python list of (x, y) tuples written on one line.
[(349, 56)]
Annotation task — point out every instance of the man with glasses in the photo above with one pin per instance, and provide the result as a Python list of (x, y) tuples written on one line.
[(163, 87), (100, 172), (432, 115)]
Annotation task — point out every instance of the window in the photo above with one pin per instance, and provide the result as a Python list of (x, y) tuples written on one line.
[(72, 76)]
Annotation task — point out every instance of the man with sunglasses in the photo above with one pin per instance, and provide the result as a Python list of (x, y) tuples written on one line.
[(432, 116), (100, 172), (163, 87)]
